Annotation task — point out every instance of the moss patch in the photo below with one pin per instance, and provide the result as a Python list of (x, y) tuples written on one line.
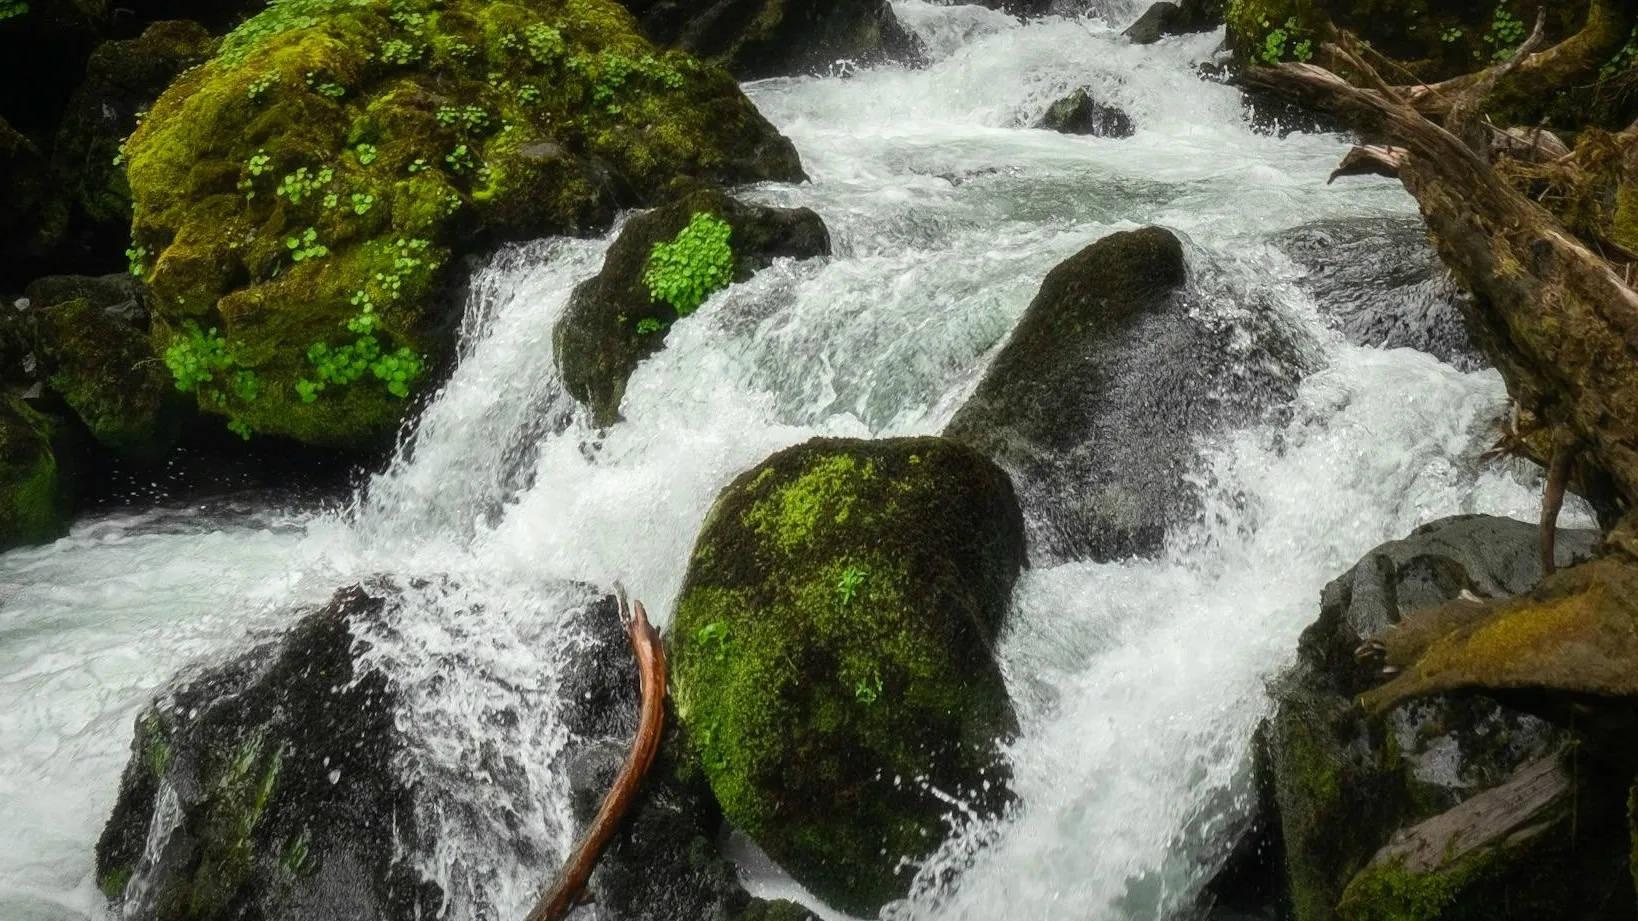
[(34, 486), (832, 654), (337, 156)]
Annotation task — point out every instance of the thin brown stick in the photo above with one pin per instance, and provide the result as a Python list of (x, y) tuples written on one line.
[(1552, 500), (570, 888)]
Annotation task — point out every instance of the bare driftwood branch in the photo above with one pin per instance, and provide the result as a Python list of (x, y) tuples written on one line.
[(570, 888), (1559, 321)]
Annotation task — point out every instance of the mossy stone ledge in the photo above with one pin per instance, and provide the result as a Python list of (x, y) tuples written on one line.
[(302, 202), (832, 654)]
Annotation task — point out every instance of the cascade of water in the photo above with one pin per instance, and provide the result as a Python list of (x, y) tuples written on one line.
[(1138, 682)]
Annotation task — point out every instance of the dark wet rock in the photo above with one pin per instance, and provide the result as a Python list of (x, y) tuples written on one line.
[(771, 38), (832, 655), (1079, 113), (35, 478), (613, 322), (33, 215), (95, 354), (264, 788), (122, 78), (1096, 402), (1349, 793), (1168, 18), (47, 43), (666, 861), (1379, 282)]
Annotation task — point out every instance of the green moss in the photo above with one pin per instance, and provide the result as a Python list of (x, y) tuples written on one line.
[(832, 653), (34, 487), (236, 809), (414, 106), (113, 884), (1391, 893)]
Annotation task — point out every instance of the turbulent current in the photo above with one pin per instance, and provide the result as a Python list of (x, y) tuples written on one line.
[(1139, 683)]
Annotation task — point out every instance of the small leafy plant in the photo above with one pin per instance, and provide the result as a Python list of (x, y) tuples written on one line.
[(714, 636), (848, 585), (694, 265), (306, 246), (11, 9), (196, 357)]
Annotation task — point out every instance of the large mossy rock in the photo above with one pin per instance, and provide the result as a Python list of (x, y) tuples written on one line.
[(302, 200), (1356, 799), (265, 789), (34, 480), (770, 38), (613, 320), (122, 78), (94, 350), (832, 654), (1079, 113), (1096, 401)]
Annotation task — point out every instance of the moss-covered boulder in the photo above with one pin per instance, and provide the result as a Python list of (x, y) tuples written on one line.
[(122, 78), (302, 200), (662, 267), (33, 214), (35, 497), (1352, 796), (1096, 403), (769, 38), (93, 345), (264, 788), (832, 654)]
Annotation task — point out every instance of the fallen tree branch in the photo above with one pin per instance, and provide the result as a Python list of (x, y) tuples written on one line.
[(1558, 320), (570, 888)]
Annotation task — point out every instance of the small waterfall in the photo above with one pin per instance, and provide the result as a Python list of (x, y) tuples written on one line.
[(1138, 682)]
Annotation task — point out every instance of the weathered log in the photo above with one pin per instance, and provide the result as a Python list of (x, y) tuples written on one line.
[(570, 888), (1559, 321)]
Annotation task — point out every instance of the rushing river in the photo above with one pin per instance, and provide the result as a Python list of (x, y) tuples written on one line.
[(1138, 683)]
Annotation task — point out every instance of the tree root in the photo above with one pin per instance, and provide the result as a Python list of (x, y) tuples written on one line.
[(570, 888), (1552, 500)]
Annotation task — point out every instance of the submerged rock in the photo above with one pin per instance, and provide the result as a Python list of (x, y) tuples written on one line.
[(265, 789), (1079, 113), (35, 486), (93, 343), (1096, 401), (832, 660), (777, 38), (1168, 18), (303, 200), (615, 319), (1446, 807), (1382, 285)]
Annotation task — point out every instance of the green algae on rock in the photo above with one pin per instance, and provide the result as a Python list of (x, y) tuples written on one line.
[(93, 337), (301, 201), (832, 654), (34, 484), (614, 320)]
